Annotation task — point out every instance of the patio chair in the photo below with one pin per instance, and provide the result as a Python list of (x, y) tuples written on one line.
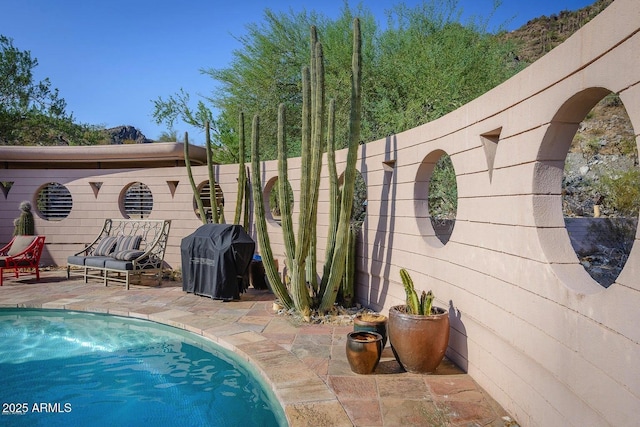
[(22, 253)]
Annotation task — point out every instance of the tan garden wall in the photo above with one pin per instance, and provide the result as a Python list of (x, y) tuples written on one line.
[(528, 323)]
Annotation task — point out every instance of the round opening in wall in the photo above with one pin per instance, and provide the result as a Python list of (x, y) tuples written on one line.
[(204, 190), (436, 198), (53, 202), (137, 201), (588, 185), (273, 201), (601, 190)]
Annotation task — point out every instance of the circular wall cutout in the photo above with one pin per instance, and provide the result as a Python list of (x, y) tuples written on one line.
[(136, 201), (436, 198), (587, 174), (205, 196), (272, 201), (601, 190), (54, 202), (360, 202)]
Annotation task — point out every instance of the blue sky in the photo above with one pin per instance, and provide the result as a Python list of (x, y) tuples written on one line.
[(111, 59)]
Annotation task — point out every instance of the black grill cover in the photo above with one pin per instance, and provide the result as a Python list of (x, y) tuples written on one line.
[(216, 260)]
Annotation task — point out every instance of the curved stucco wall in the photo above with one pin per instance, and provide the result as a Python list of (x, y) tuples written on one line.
[(528, 323)]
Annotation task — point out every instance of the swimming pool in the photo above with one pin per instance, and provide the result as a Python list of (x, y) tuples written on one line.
[(65, 368)]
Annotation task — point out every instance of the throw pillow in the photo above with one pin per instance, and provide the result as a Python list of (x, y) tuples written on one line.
[(127, 243), (105, 246), (127, 255)]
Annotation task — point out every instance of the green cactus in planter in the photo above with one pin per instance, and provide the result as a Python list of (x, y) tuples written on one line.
[(421, 306), (24, 224), (294, 291)]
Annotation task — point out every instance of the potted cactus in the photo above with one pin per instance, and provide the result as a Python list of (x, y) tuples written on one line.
[(24, 224), (418, 331)]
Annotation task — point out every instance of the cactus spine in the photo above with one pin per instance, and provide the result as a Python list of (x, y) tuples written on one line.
[(24, 224)]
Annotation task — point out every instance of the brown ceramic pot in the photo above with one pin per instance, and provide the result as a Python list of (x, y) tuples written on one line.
[(418, 342), (377, 323), (363, 351)]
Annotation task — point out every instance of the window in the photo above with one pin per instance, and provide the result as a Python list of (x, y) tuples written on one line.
[(54, 202), (137, 201)]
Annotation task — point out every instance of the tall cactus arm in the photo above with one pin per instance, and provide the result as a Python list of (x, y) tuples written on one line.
[(317, 145), (213, 196), (242, 177), (283, 190), (305, 160), (334, 194), (338, 264), (194, 187), (247, 202), (279, 289)]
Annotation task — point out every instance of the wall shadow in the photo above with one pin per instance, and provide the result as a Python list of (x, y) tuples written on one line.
[(458, 334), (381, 250)]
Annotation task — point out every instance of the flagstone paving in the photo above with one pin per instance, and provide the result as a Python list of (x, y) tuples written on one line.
[(304, 364)]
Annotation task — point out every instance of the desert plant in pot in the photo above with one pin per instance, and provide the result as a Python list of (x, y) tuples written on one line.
[(372, 322), (418, 331)]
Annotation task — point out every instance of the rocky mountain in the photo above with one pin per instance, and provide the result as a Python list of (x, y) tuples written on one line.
[(538, 36), (126, 135)]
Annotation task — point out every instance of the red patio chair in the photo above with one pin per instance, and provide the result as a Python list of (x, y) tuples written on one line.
[(22, 253)]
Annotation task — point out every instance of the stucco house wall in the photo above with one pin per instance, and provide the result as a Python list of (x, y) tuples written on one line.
[(528, 323)]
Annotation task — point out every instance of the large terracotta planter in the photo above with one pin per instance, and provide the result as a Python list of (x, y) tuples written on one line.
[(418, 342), (363, 351)]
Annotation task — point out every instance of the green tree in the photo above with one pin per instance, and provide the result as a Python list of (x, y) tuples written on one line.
[(265, 71), (32, 112), (224, 139), (428, 64), (424, 65), (170, 135)]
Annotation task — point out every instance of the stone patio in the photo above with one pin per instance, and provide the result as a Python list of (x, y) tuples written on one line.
[(305, 364)]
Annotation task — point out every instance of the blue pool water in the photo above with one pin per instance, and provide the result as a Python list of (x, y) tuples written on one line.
[(62, 368)]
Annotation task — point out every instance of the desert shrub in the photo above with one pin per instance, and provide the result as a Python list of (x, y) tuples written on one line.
[(622, 192)]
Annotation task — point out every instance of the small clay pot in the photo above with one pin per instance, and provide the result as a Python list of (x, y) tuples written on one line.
[(363, 351), (378, 325)]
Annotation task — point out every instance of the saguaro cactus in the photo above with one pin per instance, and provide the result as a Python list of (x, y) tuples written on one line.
[(299, 250), (24, 224)]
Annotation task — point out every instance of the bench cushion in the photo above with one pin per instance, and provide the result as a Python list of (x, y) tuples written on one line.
[(20, 243), (96, 261), (105, 246), (76, 259), (115, 264)]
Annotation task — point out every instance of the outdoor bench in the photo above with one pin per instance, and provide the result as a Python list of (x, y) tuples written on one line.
[(124, 248)]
